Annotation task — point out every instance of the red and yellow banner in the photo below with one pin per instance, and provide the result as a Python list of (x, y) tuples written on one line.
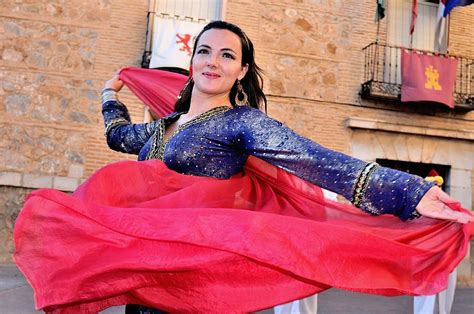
[(428, 78)]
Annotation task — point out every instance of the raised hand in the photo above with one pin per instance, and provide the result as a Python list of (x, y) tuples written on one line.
[(114, 83)]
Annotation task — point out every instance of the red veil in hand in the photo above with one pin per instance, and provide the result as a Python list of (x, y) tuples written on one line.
[(137, 232)]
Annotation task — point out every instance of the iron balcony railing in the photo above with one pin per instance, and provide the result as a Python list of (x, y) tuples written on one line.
[(382, 75)]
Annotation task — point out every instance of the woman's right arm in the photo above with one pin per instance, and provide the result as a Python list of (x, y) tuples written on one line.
[(121, 134)]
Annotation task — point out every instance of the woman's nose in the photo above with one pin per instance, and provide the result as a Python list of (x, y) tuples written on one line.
[(212, 61)]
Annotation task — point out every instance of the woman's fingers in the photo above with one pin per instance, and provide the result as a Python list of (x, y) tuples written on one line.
[(461, 217), (445, 213), (114, 83), (445, 198), (434, 204)]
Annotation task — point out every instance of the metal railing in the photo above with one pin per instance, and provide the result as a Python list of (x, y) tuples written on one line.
[(382, 75)]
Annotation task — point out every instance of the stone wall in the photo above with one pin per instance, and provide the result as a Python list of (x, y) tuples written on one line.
[(54, 59)]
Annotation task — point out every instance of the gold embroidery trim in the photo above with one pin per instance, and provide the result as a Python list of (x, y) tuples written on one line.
[(113, 123), (361, 184), (153, 153), (157, 149)]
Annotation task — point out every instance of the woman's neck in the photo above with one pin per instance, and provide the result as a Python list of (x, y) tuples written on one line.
[(201, 103)]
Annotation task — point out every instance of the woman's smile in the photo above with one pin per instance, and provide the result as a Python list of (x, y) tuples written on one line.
[(211, 75)]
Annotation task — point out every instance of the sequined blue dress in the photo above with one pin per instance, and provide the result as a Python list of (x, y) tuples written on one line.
[(218, 142)]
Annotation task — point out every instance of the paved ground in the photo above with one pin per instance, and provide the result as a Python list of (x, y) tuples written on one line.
[(16, 297)]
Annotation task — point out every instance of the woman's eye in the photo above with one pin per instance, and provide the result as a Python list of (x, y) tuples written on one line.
[(228, 55), (202, 51)]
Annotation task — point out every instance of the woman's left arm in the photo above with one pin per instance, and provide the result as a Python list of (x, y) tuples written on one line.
[(375, 189)]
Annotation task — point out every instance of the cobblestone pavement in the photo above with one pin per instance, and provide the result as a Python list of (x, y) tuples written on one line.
[(16, 297)]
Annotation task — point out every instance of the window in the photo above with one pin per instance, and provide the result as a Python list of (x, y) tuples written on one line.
[(398, 32), (194, 9), (399, 19)]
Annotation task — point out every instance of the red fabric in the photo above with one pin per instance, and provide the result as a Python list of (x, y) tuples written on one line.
[(247, 243), (433, 173), (428, 78), (137, 232), (158, 89)]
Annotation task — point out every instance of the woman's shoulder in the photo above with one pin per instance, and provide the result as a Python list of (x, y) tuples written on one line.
[(245, 112), (248, 117)]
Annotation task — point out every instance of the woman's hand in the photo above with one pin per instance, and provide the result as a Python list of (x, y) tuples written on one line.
[(433, 205), (114, 83)]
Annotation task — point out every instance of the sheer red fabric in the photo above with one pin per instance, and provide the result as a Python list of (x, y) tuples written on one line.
[(157, 89), (138, 232)]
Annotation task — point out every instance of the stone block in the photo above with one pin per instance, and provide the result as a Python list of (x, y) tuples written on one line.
[(463, 195), (429, 148), (389, 150), (455, 153), (443, 156), (365, 146), (76, 171), (463, 156), (414, 147), (460, 178), (17, 105), (10, 178), (37, 181), (399, 142), (12, 55), (65, 183)]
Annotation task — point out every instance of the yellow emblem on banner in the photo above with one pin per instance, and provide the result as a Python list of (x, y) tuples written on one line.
[(432, 77)]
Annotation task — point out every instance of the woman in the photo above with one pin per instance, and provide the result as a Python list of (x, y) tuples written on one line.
[(188, 246), (223, 69)]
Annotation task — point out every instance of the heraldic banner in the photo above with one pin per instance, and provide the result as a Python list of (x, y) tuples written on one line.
[(428, 78), (173, 41)]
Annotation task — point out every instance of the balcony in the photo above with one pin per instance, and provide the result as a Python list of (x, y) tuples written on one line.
[(382, 77)]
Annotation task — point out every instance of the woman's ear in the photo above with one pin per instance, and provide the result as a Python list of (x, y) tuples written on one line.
[(243, 72)]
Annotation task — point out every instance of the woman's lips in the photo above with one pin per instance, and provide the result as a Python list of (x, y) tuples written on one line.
[(211, 76)]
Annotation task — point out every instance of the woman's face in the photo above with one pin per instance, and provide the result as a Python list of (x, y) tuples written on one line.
[(217, 63)]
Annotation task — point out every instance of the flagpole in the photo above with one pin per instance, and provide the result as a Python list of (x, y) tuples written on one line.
[(376, 52), (414, 14), (378, 32), (447, 35), (148, 35)]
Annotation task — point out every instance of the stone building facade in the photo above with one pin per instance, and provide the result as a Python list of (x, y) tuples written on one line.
[(56, 55)]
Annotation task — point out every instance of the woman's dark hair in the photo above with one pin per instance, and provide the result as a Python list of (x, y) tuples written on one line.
[(252, 83)]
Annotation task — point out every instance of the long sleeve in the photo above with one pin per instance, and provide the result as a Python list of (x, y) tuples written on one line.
[(377, 190), (121, 134)]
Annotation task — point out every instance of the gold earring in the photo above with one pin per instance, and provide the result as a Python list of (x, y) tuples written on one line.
[(184, 88), (241, 94)]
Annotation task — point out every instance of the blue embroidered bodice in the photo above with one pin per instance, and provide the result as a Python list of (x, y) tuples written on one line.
[(218, 142)]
